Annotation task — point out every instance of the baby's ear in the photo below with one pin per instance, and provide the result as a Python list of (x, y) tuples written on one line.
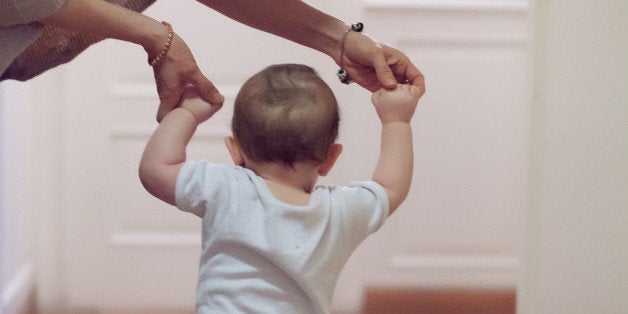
[(234, 149), (332, 156)]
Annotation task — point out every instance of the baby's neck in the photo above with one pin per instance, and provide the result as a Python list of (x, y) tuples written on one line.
[(301, 177), (291, 185)]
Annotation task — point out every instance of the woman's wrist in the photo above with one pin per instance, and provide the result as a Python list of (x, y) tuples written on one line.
[(154, 38), (331, 40), (153, 59)]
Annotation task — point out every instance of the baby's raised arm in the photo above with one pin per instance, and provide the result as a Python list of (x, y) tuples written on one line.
[(165, 152), (393, 171)]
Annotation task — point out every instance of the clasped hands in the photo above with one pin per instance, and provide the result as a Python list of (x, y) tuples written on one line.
[(371, 65), (392, 105)]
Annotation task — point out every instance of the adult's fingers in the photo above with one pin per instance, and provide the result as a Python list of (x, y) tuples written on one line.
[(206, 89), (383, 71), (169, 100), (403, 69), (415, 77)]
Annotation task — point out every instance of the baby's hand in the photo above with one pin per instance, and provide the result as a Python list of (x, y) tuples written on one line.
[(396, 105), (201, 109)]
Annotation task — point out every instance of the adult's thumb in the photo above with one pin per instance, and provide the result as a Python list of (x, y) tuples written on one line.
[(384, 73), (166, 105), (207, 90)]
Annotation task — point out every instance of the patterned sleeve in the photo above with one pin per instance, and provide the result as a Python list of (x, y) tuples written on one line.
[(201, 186), (25, 11), (34, 48)]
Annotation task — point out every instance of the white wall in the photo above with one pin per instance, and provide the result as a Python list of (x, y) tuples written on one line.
[(459, 226), (577, 229), (471, 137), (576, 247), (16, 259)]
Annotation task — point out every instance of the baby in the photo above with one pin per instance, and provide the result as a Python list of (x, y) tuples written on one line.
[(273, 241)]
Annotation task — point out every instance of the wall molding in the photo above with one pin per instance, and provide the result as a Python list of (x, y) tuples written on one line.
[(488, 42), (480, 263), (126, 132), (505, 6), (155, 239), (149, 91)]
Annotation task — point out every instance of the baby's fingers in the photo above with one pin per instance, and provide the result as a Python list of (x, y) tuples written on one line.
[(415, 91)]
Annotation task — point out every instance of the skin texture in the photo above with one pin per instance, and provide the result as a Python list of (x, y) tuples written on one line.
[(369, 64), (165, 152)]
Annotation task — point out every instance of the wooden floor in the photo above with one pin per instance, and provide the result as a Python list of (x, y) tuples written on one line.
[(116, 311), (131, 311), (379, 301), (439, 301)]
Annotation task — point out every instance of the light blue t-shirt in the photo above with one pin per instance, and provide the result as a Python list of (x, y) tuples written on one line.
[(261, 255)]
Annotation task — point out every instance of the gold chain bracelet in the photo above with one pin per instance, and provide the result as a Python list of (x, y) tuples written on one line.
[(163, 52)]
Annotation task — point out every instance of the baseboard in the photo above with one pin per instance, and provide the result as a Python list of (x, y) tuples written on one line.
[(439, 301), (18, 295), (30, 305)]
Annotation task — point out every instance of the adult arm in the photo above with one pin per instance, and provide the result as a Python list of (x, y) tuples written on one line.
[(369, 64), (178, 67)]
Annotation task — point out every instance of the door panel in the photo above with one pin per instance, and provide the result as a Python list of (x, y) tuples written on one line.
[(124, 247), (459, 226)]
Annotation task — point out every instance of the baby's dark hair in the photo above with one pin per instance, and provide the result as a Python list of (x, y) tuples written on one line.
[(286, 113)]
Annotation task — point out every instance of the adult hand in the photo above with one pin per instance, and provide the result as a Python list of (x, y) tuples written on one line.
[(174, 72), (373, 65)]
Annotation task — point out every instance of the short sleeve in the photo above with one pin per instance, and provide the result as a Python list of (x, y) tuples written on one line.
[(362, 208), (201, 186), (374, 196)]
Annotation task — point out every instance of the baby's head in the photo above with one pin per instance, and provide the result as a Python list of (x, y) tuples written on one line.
[(285, 113)]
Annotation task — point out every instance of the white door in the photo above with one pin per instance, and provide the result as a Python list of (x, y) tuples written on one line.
[(123, 248)]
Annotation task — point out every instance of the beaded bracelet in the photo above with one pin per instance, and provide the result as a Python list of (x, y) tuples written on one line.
[(163, 52), (342, 74)]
